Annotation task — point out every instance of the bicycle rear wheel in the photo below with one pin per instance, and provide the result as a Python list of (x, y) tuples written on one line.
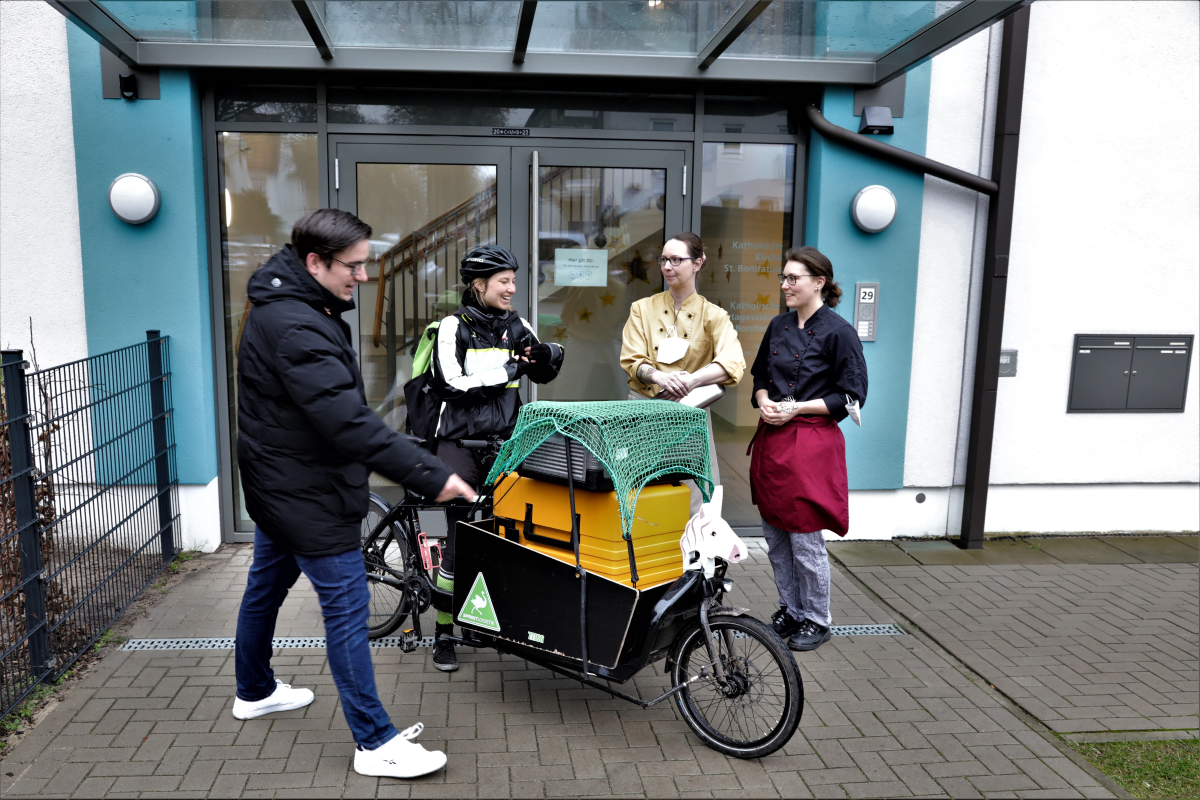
[(385, 552), (759, 708)]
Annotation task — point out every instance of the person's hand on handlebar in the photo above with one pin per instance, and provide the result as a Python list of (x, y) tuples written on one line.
[(456, 487)]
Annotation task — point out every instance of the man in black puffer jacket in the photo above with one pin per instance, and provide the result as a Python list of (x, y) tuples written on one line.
[(306, 443)]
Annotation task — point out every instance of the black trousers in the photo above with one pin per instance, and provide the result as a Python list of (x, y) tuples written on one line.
[(468, 465)]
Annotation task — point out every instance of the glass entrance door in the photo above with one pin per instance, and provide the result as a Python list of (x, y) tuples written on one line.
[(600, 216), (428, 206)]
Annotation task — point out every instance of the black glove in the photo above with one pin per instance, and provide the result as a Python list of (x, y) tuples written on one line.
[(515, 368), (541, 354)]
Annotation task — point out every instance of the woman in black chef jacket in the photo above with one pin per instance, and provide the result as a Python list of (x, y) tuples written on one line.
[(809, 376)]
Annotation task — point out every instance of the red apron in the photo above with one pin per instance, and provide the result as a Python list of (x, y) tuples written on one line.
[(798, 475)]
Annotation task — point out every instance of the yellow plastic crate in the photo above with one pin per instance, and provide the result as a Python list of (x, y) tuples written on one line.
[(660, 517)]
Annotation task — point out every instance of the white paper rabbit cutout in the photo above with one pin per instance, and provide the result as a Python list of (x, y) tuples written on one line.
[(708, 537)]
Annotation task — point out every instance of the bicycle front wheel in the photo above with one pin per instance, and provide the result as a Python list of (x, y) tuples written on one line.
[(758, 708), (385, 553)]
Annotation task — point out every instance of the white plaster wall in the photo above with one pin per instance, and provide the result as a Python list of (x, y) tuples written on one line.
[(41, 266), (953, 225), (1100, 508), (200, 516), (884, 514), (1028, 508), (1106, 240), (1106, 237)]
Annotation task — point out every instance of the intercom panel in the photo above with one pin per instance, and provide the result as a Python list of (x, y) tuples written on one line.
[(866, 310)]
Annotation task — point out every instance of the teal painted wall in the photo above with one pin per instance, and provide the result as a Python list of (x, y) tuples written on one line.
[(875, 452), (152, 276)]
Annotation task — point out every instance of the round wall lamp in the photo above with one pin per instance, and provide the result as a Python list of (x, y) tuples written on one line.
[(134, 198), (873, 208)]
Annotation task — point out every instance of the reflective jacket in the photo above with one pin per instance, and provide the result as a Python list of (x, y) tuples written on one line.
[(472, 373)]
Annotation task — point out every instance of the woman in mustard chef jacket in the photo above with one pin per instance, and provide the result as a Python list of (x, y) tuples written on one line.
[(676, 341)]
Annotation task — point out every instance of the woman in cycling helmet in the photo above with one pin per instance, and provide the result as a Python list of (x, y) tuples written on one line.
[(482, 351)]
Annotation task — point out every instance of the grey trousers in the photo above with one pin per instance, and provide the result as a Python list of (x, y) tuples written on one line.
[(801, 567)]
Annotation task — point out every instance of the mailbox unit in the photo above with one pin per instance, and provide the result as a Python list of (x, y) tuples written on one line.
[(1129, 373)]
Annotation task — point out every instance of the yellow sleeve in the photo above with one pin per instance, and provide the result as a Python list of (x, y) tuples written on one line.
[(635, 347), (727, 349)]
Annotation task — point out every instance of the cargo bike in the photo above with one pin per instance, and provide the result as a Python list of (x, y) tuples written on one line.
[(577, 565)]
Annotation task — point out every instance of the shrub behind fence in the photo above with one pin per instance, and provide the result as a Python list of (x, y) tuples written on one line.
[(88, 502)]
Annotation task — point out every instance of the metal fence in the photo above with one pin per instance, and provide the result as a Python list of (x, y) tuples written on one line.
[(88, 500)]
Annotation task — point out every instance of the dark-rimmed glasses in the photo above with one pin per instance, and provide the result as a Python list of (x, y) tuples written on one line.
[(674, 260), (790, 280)]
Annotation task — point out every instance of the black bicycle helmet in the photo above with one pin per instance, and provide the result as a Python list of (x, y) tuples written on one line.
[(486, 260)]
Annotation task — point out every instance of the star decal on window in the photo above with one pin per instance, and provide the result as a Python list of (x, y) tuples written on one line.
[(607, 298), (585, 316)]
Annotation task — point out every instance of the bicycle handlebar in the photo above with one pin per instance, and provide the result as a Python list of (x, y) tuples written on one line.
[(475, 444)]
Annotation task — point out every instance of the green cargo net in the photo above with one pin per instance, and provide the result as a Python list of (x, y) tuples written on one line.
[(636, 441)]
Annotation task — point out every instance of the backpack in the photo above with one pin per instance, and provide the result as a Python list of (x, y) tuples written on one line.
[(424, 405)]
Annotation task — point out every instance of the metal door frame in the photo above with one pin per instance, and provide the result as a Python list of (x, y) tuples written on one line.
[(513, 160), (355, 150), (673, 159)]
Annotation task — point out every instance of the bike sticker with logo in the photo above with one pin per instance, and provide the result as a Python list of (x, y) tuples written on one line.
[(478, 609)]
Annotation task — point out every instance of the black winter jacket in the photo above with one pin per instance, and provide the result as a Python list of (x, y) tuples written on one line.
[(307, 439), (472, 373)]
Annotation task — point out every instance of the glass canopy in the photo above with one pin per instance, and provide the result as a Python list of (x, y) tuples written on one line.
[(830, 41)]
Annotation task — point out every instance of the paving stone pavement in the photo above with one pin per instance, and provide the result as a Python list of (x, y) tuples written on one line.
[(1082, 647), (886, 716)]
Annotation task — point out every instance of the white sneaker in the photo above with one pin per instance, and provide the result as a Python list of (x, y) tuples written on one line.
[(399, 758), (284, 698)]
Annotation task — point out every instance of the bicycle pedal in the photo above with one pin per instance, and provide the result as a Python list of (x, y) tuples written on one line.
[(409, 641)]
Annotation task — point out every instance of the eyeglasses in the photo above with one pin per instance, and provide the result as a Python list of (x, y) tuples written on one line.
[(790, 280), (354, 268), (675, 260)]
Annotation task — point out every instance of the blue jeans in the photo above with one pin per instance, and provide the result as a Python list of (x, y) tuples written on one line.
[(341, 584)]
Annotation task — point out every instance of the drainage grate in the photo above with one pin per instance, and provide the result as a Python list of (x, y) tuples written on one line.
[(318, 642), (279, 643), (868, 630), (854, 630), (179, 644)]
